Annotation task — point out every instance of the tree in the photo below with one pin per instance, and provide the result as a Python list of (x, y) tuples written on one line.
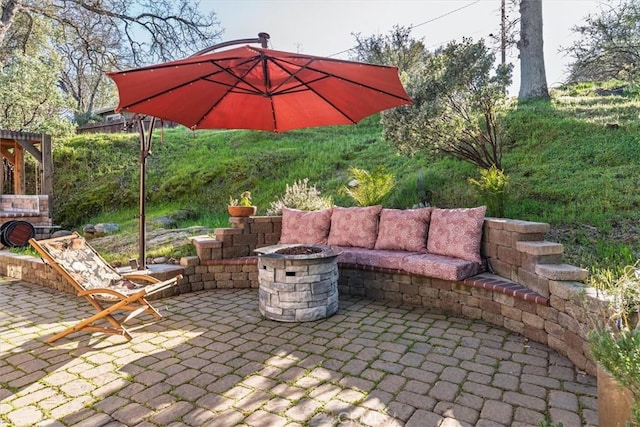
[(99, 35), (456, 101), (533, 79), (608, 45), (29, 97), (397, 48)]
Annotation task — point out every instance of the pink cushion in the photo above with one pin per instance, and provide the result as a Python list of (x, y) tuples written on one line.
[(356, 226), (440, 267), (310, 227), (382, 258), (456, 232), (403, 230)]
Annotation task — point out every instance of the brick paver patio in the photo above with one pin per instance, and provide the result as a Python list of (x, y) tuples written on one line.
[(213, 361)]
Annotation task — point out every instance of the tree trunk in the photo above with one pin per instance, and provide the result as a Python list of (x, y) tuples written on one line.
[(533, 79)]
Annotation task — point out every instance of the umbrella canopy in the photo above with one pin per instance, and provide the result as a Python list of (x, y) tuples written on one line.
[(261, 89)]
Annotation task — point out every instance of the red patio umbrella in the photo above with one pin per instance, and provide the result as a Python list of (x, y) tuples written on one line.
[(254, 88), (262, 89)]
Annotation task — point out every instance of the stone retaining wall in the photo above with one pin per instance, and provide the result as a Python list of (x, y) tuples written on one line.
[(536, 295)]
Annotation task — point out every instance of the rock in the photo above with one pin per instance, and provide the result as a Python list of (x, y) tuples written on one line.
[(103, 229), (184, 214), (60, 233), (89, 230), (164, 222), (160, 260)]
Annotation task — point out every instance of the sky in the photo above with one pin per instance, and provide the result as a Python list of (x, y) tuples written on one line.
[(325, 27)]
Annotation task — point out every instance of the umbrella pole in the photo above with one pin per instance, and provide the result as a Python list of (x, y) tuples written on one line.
[(145, 150)]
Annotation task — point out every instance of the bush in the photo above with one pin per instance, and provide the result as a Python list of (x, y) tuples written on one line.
[(300, 196), (372, 187), (492, 187)]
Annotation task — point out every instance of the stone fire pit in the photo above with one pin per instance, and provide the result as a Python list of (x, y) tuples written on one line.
[(298, 283)]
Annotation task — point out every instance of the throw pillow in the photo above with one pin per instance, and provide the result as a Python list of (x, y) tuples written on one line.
[(308, 227), (357, 226), (403, 230), (456, 232)]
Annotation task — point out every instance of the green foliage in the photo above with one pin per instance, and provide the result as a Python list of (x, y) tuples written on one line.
[(606, 46), (397, 48), (371, 187), (619, 355), (492, 187), (615, 344), (301, 196), (456, 106), (29, 98), (245, 200)]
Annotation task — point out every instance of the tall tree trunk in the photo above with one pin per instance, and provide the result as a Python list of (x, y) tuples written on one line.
[(533, 79)]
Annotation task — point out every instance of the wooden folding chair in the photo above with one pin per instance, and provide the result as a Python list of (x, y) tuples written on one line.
[(95, 280)]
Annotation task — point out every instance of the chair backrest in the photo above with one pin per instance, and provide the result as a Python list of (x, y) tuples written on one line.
[(80, 261)]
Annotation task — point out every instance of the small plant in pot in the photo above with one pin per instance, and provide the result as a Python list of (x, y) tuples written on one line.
[(615, 347), (241, 207)]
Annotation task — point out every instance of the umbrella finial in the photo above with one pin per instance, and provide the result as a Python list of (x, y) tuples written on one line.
[(264, 39)]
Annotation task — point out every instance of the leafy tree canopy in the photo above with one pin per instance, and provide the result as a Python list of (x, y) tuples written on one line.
[(608, 46), (92, 37), (397, 48), (456, 99)]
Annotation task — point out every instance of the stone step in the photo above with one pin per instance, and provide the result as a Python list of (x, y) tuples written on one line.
[(540, 248), (561, 272)]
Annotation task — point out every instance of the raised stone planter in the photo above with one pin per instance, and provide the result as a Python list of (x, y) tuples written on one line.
[(297, 283)]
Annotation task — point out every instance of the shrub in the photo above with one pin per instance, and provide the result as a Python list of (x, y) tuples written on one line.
[(492, 186), (372, 187), (300, 196)]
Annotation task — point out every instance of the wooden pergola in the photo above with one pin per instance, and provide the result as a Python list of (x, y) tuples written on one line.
[(13, 146)]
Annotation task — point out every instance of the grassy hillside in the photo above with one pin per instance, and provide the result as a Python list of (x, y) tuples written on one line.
[(572, 162)]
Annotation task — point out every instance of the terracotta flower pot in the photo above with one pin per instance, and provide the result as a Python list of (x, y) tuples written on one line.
[(614, 401), (242, 211)]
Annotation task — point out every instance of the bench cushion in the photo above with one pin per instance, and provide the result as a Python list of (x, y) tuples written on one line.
[(403, 230), (305, 227), (427, 265), (382, 258), (456, 232), (440, 267), (355, 226)]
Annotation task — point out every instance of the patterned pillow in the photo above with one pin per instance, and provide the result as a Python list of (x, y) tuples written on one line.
[(456, 232), (404, 230), (356, 227), (310, 227)]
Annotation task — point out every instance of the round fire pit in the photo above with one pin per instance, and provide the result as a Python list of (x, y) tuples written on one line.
[(298, 283)]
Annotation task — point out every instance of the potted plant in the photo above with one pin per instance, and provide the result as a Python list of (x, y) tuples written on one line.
[(241, 207), (615, 347)]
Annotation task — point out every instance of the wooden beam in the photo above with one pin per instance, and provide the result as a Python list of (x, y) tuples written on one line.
[(30, 147), (19, 181), (47, 168), (8, 155)]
